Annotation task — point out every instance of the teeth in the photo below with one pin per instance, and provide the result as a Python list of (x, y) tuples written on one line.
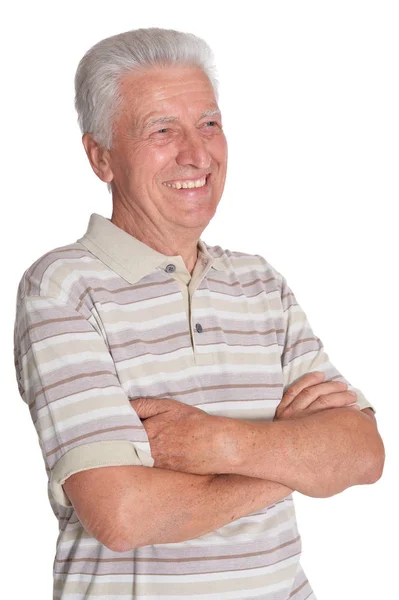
[(187, 184)]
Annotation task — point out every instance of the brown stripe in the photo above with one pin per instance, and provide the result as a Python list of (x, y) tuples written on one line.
[(161, 339), (40, 260), (180, 560), (298, 588), (301, 341), (287, 362), (59, 320), (244, 285), (205, 330), (55, 335), (48, 402), (232, 386), (74, 378), (251, 332), (87, 435), (124, 289), (146, 573)]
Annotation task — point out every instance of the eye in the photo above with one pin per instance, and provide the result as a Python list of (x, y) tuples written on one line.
[(163, 130), (212, 125)]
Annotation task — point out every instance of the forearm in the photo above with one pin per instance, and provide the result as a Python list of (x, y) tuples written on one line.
[(173, 507), (319, 455)]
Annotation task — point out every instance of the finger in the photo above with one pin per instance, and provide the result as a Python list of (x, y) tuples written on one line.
[(295, 388), (148, 407), (307, 380), (334, 400), (309, 395)]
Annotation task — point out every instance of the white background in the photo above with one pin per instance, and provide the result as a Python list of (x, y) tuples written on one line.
[(309, 93)]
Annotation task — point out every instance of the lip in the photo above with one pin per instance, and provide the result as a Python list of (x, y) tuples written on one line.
[(188, 178), (191, 191)]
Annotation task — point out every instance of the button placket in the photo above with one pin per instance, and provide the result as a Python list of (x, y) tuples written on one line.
[(200, 358)]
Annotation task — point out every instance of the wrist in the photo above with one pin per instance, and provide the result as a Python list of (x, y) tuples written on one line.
[(230, 444)]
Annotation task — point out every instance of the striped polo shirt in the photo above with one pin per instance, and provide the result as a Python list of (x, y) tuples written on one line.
[(107, 319)]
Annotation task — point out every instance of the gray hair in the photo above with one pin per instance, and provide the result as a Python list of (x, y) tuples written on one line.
[(97, 96)]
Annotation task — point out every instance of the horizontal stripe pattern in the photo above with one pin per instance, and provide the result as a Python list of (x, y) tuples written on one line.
[(99, 322)]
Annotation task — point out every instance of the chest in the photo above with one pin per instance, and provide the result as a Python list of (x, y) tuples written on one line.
[(217, 347)]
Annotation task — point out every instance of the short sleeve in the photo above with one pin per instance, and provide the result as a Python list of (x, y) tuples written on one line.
[(66, 375), (303, 352)]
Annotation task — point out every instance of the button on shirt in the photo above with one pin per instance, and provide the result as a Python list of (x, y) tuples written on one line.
[(107, 319)]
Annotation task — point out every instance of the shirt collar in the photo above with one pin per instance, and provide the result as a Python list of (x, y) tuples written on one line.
[(128, 256)]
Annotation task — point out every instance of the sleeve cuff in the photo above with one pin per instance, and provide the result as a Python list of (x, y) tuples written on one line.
[(90, 456), (361, 400)]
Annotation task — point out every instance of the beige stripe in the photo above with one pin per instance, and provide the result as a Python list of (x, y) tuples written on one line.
[(87, 435), (238, 283), (48, 321), (53, 336), (137, 286), (301, 341), (73, 378), (211, 388), (32, 405), (37, 263), (85, 405), (183, 590), (250, 526)]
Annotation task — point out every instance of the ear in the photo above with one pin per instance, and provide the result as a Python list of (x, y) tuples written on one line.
[(98, 157)]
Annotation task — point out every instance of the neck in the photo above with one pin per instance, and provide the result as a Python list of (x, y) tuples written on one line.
[(170, 245)]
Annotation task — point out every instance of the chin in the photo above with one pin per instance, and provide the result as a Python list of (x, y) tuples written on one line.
[(196, 220)]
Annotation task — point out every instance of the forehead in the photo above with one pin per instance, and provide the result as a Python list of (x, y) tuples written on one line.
[(166, 89)]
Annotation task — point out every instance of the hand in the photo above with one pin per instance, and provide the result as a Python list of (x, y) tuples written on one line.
[(182, 438), (308, 396)]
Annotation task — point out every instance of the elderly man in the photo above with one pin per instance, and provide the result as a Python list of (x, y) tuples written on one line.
[(177, 389)]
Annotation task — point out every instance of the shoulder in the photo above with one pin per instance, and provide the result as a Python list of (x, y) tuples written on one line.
[(244, 263), (56, 273)]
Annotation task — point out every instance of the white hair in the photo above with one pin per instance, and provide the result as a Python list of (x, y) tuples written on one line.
[(97, 94)]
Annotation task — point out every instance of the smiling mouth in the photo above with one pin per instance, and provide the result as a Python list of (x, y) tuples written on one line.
[(187, 184)]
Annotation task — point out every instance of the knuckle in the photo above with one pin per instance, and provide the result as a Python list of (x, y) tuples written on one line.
[(325, 400), (350, 397), (340, 384), (281, 413), (307, 394)]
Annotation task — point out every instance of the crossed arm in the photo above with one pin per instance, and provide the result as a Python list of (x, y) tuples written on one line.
[(251, 465)]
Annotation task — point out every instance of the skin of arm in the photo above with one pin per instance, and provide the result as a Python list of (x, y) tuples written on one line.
[(319, 455), (112, 503), (319, 445), (183, 505)]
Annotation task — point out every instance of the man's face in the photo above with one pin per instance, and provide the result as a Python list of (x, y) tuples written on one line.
[(167, 136)]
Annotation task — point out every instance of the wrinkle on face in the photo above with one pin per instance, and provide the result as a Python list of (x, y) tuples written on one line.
[(160, 135)]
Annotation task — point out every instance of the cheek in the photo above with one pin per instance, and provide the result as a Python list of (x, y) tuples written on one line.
[(153, 160), (219, 151)]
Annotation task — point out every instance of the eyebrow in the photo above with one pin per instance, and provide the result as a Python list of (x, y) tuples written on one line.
[(160, 120), (210, 113)]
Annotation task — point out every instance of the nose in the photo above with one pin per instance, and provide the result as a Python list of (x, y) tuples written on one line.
[(193, 151)]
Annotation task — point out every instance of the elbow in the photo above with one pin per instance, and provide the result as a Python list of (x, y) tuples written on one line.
[(376, 461), (123, 538), (128, 531), (118, 541), (109, 535), (117, 546)]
